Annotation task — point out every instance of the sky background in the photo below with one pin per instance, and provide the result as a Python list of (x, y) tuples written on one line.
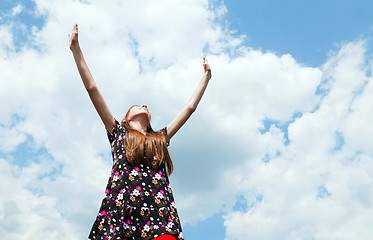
[(280, 146)]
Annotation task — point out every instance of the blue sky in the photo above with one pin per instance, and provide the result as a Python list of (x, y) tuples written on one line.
[(285, 124), (308, 30)]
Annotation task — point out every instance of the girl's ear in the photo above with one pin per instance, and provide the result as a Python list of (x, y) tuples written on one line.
[(126, 119)]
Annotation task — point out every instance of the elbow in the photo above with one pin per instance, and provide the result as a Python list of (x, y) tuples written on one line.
[(191, 108), (91, 89)]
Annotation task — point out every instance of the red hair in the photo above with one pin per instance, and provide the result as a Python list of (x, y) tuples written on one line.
[(149, 149)]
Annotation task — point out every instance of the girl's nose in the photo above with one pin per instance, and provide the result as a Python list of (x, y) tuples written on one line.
[(144, 105)]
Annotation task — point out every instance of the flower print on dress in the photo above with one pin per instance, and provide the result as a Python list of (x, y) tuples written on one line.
[(138, 203), (115, 178), (158, 176), (135, 192), (170, 224), (160, 194), (147, 227), (134, 172), (120, 196)]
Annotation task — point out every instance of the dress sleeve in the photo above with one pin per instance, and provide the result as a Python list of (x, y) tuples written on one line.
[(164, 132), (117, 133)]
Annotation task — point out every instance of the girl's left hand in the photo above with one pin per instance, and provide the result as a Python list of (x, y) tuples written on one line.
[(206, 67), (73, 37)]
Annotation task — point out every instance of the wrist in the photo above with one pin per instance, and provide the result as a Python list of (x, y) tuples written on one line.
[(75, 47), (207, 74)]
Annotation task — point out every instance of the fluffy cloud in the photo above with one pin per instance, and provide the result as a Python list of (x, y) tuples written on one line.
[(319, 186), (50, 132), (293, 141), (25, 213)]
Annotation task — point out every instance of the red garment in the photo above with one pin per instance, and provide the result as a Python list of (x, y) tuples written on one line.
[(163, 237)]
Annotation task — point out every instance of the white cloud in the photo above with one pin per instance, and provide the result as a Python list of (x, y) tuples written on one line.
[(42, 88), (150, 52), (292, 206), (26, 215), (11, 138), (17, 10), (6, 39)]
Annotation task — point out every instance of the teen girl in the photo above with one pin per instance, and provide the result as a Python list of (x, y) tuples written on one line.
[(138, 201)]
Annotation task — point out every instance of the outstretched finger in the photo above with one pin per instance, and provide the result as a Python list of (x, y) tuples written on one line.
[(75, 28)]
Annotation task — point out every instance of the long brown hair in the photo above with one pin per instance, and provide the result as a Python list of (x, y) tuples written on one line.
[(150, 149)]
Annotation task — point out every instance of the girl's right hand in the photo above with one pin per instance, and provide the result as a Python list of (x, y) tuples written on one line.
[(73, 38), (206, 67)]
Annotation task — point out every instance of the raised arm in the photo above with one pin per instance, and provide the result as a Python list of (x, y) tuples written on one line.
[(89, 83), (192, 104)]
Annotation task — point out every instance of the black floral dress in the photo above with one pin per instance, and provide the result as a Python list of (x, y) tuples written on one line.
[(138, 201)]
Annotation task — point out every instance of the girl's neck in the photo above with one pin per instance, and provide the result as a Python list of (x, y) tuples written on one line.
[(140, 126)]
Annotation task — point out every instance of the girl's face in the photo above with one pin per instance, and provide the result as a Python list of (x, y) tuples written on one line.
[(138, 110)]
